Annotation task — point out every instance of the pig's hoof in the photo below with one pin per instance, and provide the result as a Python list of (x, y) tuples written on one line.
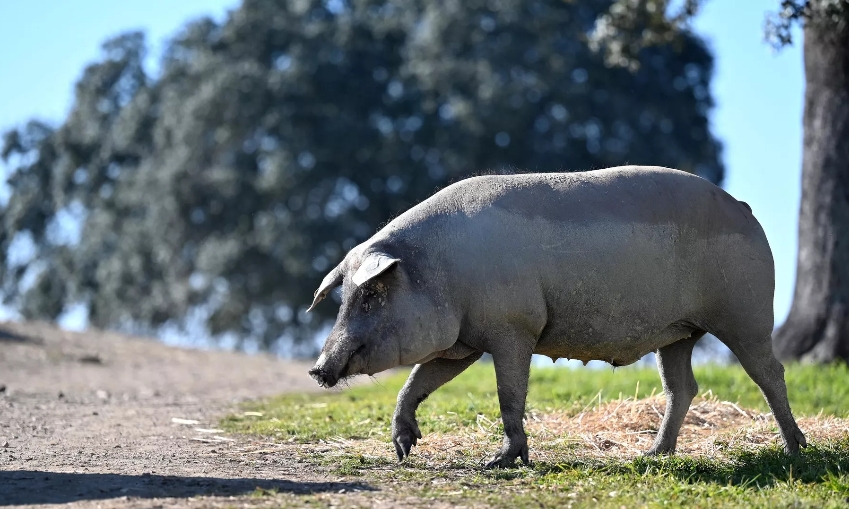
[(660, 451), (405, 435), (500, 461), (506, 457), (791, 447)]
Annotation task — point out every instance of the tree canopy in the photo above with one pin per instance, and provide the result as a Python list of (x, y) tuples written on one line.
[(220, 189)]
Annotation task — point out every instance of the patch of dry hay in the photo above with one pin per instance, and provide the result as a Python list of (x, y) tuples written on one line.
[(620, 429), (624, 429), (628, 427)]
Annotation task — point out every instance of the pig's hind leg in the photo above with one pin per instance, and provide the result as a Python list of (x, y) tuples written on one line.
[(676, 373), (754, 351)]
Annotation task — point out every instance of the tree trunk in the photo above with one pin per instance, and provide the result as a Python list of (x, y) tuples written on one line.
[(817, 328)]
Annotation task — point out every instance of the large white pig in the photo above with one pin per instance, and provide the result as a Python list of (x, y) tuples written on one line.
[(600, 265)]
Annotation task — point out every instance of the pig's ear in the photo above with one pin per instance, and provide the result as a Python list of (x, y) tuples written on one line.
[(374, 265), (330, 281)]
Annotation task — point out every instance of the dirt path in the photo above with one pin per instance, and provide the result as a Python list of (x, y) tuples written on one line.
[(86, 420)]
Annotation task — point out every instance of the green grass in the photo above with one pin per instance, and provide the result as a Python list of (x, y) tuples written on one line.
[(765, 478), (756, 477), (365, 411)]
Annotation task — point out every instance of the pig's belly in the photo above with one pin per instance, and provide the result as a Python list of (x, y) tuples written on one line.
[(619, 344)]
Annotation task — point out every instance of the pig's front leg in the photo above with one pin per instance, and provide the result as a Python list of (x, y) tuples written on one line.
[(424, 379), (512, 369)]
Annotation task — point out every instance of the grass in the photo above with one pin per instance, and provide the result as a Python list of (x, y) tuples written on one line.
[(586, 430)]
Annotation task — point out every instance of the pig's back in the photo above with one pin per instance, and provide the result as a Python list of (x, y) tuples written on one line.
[(615, 254), (633, 194)]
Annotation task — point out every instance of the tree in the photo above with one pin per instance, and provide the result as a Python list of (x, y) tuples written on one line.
[(217, 193), (817, 327)]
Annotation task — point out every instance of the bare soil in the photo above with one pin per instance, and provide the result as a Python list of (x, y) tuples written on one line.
[(98, 419)]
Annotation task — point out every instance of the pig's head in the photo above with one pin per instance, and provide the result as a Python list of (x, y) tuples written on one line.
[(387, 318)]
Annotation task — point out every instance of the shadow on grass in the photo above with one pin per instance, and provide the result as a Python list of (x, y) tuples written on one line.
[(819, 463), (25, 487)]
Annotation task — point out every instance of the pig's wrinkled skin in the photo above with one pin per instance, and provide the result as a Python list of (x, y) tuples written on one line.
[(601, 265)]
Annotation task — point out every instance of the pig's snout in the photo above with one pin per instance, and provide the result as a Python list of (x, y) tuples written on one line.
[(322, 372), (323, 377), (336, 365)]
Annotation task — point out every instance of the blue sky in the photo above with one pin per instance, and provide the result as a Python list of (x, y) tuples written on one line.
[(44, 45)]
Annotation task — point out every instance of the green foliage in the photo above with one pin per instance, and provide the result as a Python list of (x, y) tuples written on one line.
[(630, 26), (366, 410), (217, 192), (832, 15)]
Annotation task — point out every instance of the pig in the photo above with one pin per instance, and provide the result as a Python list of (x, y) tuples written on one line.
[(602, 265)]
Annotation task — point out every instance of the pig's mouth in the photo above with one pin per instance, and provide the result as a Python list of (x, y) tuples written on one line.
[(324, 378), (328, 379)]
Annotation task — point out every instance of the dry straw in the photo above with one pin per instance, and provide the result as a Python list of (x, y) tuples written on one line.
[(620, 429)]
